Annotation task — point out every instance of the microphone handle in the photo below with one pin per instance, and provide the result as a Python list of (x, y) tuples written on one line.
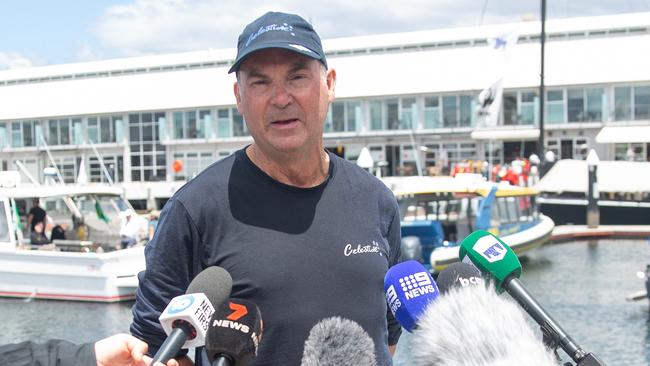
[(222, 360), (171, 346), (517, 290)]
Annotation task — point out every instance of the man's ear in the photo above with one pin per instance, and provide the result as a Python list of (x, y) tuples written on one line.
[(331, 84), (236, 91)]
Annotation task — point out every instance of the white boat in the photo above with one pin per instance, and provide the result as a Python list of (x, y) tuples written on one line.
[(437, 213), (88, 265)]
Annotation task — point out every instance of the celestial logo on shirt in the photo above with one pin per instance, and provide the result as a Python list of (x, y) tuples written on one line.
[(356, 249)]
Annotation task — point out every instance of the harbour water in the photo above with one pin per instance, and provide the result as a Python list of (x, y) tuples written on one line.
[(582, 284)]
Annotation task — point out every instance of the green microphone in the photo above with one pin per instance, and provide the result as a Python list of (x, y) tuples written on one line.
[(493, 257), (490, 255)]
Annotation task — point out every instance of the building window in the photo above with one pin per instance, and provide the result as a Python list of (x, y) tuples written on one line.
[(376, 118), (343, 116), (148, 161), (555, 106), (190, 124), (392, 114), (193, 163), (223, 123), (623, 103), (113, 164), (25, 133), (527, 108), (510, 108), (408, 113), (457, 110), (630, 152), (238, 124), (4, 140), (68, 168), (449, 111), (432, 112), (104, 129), (585, 105), (642, 102)]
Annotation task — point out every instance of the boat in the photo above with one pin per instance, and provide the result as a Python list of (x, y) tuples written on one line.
[(623, 192), (88, 265), (438, 212)]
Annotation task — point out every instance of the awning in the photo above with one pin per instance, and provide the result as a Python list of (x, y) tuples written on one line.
[(623, 134), (613, 176), (506, 134)]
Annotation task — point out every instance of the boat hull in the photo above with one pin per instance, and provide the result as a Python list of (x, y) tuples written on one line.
[(520, 242), (96, 277)]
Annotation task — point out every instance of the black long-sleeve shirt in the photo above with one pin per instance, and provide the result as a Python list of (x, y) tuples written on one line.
[(301, 254)]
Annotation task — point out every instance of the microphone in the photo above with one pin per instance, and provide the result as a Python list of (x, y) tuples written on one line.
[(492, 256), (474, 326), (458, 274), (234, 334), (187, 317), (337, 341), (409, 288)]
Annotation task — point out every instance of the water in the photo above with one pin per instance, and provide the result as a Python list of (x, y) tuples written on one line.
[(581, 284)]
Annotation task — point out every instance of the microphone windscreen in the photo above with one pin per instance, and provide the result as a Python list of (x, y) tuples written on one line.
[(338, 342), (409, 288), (490, 255), (458, 274), (215, 282), (235, 331), (474, 326)]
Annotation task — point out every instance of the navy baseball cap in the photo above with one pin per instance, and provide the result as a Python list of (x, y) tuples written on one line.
[(279, 30)]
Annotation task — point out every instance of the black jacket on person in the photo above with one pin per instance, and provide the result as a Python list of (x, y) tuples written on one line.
[(52, 353)]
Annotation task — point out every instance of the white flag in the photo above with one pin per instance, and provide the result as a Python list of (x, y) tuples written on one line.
[(82, 177), (489, 99)]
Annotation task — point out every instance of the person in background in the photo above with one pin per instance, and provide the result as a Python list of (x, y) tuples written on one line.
[(131, 228), (36, 219), (153, 222), (116, 350), (305, 234)]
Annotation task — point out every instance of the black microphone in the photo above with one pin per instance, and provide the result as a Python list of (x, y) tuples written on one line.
[(458, 274), (475, 326), (234, 334), (337, 341), (187, 317)]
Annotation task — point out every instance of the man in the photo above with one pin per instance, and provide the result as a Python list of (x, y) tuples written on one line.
[(36, 221), (304, 234), (131, 228), (117, 350)]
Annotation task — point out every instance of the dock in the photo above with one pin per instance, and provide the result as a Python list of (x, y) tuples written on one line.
[(576, 232)]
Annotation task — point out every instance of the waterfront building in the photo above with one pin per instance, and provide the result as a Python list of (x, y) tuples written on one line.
[(157, 121)]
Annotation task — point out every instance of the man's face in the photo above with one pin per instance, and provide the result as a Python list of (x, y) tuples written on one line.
[(284, 98)]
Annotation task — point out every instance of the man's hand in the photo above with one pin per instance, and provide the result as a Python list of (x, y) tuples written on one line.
[(124, 350)]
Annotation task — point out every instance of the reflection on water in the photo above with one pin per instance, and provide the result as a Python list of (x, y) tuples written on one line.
[(581, 284)]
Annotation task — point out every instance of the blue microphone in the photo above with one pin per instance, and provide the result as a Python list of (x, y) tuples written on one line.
[(409, 289)]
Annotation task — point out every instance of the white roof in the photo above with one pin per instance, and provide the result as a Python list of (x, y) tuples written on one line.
[(572, 61), (613, 176), (623, 134)]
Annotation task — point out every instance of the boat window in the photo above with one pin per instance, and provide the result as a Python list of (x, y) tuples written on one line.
[(4, 225), (525, 208), (503, 210), (513, 209), (56, 209)]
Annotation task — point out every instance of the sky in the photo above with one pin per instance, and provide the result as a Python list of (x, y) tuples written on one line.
[(46, 32)]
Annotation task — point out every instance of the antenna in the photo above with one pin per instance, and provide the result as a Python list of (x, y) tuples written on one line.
[(49, 154), (101, 163)]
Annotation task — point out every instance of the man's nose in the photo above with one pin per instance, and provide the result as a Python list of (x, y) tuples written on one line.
[(281, 96)]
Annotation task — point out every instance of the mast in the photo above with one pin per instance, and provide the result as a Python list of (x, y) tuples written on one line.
[(540, 147)]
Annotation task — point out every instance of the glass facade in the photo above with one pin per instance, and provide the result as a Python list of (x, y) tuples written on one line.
[(192, 164), (148, 160), (344, 117), (105, 129), (191, 124)]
